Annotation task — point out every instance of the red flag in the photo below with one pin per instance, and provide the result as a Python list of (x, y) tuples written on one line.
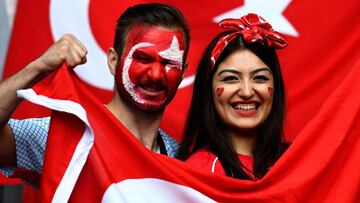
[(91, 157)]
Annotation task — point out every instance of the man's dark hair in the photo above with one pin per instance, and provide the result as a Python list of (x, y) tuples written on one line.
[(151, 14)]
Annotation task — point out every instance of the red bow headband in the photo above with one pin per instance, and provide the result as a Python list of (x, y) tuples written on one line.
[(253, 28)]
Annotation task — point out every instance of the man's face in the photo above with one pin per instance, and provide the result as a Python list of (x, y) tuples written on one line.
[(150, 68)]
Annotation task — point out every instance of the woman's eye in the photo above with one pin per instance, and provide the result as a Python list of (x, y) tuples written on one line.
[(229, 78), (261, 78)]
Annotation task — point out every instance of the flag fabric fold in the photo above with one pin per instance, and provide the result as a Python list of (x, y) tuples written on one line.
[(91, 157)]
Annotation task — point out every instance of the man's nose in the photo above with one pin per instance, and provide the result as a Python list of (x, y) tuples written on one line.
[(156, 71)]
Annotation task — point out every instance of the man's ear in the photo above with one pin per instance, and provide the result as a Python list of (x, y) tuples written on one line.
[(112, 60)]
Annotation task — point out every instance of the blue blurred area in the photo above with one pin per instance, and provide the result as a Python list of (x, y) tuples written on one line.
[(7, 11)]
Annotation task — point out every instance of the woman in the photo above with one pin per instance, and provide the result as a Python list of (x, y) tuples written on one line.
[(235, 123)]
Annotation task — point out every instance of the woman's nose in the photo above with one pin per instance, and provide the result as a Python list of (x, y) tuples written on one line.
[(246, 90)]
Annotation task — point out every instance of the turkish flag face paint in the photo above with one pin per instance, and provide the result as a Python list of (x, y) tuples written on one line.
[(150, 69)]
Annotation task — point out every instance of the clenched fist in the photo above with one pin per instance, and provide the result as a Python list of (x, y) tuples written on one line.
[(68, 49)]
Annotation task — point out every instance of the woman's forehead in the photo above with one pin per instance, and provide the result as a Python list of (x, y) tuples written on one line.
[(243, 59)]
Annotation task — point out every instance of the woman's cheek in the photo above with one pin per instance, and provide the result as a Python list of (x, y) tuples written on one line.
[(219, 91), (270, 91)]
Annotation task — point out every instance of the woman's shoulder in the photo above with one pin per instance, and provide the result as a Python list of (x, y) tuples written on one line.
[(206, 160), (202, 158)]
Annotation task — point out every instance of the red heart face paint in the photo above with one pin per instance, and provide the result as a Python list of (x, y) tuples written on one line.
[(271, 91), (219, 91), (150, 69)]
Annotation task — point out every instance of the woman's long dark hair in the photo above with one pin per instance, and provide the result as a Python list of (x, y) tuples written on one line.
[(204, 128)]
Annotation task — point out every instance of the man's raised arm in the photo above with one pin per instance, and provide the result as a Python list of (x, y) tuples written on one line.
[(67, 49)]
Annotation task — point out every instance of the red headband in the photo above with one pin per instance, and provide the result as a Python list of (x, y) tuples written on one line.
[(253, 28)]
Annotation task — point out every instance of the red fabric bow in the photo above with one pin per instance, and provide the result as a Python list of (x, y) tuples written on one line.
[(253, 28)]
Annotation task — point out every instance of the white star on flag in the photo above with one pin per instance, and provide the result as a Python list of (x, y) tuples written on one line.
[(173, 54), (270, 10)]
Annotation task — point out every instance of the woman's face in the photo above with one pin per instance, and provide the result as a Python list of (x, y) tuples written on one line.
[(243, 88)]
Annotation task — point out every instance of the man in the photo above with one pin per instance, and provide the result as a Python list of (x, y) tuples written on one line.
[(147, 61)]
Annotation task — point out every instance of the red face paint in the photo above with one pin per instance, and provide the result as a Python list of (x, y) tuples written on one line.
[(271, 91), (219, 91), (150, 69)]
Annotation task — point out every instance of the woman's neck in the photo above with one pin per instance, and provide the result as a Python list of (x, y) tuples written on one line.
[(243, 142)]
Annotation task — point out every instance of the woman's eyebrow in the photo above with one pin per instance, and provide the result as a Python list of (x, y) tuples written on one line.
[(252, 72), (261, 69), (228, 71)]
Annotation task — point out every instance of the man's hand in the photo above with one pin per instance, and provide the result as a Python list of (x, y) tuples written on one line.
[(67, 49)]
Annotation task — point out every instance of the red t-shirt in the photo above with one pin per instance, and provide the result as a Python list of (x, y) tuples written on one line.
[(204, 159)]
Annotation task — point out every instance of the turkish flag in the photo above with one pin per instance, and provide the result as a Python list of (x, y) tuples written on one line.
[(91, 157), (323, 36)]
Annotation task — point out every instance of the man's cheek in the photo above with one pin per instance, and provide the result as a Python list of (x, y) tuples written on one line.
[(174, 79), (136, 70), (174, 74)]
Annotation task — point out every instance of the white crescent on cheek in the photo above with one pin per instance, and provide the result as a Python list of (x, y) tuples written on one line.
[(173, 54), (129, 86)]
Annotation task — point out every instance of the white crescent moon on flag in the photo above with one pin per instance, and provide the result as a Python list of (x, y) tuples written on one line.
[(152, 190), (67, 16)]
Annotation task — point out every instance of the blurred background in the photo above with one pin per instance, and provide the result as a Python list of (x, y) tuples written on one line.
[(9, 193), (7, 13)]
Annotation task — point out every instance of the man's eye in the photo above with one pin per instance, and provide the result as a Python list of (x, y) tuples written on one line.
[(142, 59), (171, 63)]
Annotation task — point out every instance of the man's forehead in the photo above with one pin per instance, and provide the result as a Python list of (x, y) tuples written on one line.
[(155, 35)]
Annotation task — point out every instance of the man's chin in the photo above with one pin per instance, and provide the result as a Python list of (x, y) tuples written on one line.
[(144, 105), (151, 108)]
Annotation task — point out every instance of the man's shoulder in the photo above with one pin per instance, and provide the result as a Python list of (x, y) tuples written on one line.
[(44, 121), (170, 143)]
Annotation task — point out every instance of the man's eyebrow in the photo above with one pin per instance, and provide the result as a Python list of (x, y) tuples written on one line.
[(143, 54), (139, 51)]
